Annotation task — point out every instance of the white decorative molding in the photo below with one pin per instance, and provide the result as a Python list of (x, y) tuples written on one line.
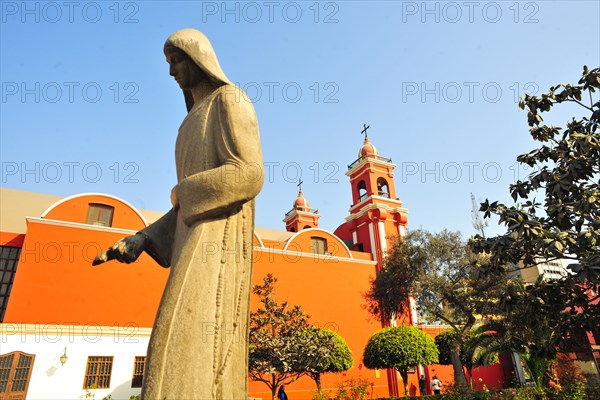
[(262, 245), (372, 238), (51, 331), (79, 225), (325, 258), (378, 206), (291, 239), (95, 194), (370, 160)]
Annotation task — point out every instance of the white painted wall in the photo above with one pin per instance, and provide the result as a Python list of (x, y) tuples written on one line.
[(51, 380)]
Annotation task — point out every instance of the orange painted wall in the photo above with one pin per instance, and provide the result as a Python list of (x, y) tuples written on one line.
[(75, 210), (301, 242), (331, 292), (11, 239), (55, 282)]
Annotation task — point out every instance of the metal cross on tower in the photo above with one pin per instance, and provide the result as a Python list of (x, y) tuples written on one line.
[(365, 130), (299, 185)]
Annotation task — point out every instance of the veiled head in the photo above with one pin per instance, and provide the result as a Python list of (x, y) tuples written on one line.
[(181, 67), (196, 45), (191, 45)]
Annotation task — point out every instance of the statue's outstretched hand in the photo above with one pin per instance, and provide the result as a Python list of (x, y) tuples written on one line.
[(126, 250)]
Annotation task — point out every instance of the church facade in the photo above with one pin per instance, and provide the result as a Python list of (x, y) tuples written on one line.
[(68, 329)]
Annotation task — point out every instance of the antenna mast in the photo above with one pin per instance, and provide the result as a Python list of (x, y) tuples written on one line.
[(478, 223)]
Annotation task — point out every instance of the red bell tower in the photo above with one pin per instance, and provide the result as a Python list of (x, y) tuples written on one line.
[(301, 216), (376, 215)]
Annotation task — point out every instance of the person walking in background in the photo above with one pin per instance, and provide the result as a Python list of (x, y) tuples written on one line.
[(436, 385), (281, 393), (423, 385)]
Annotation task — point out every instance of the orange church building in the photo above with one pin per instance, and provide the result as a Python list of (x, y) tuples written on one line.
[(66, 325)]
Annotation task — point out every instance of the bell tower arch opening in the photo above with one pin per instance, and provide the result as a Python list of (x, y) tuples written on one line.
[(382, 188), (361, 189)]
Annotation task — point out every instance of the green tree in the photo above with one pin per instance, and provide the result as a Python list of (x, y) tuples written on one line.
[(401, 348), (325, 351), (390, 291), (525, 324), (444, 341), (472, 355), (566, 224), (277, 349), (442, 274)]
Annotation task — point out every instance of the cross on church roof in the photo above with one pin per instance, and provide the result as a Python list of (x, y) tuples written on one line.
[(299, 185), (365, 130)]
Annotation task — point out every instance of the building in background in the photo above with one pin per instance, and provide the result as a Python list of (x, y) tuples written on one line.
[(66, 326), (546, 269), (585, 345)]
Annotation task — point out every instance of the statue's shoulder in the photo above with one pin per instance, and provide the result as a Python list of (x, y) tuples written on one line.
[(230, 92), (232, 97)]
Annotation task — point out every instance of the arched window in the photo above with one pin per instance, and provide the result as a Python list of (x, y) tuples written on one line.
[(382, 188), (292, 229), (15, 372), (318, 245), (362, 190), (307, 227), (100, 214)]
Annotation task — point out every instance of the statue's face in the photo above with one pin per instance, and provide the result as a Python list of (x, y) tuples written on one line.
[(183, 69)]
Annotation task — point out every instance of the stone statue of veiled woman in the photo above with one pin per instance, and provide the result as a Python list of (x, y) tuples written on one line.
[(199, 343)]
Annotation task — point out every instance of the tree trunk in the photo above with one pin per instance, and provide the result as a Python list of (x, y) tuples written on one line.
[(404, 375), (317, 377), (470, 373), (274, 387), (457, 367)]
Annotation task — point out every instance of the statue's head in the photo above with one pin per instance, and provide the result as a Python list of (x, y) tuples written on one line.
[(181, 67), (193, 62)]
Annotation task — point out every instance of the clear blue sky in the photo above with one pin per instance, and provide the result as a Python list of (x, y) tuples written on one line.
[(88, 106)]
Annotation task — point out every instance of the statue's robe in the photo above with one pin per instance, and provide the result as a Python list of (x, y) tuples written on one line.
[(199, 344)]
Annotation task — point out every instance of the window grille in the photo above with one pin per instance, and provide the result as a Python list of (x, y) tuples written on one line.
[(318, 245), (9, 258), (138, 371), (15, 373), (100, 214), (98, 372)]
